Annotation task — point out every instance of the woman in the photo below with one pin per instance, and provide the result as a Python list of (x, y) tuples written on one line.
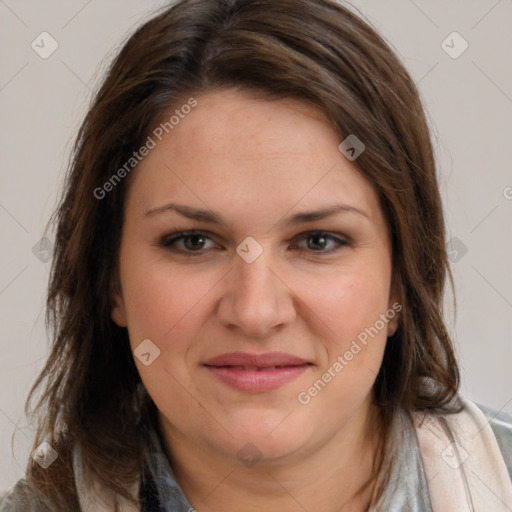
[(207, 356)]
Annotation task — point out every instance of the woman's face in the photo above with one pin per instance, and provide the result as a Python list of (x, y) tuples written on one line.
[(255, 337)]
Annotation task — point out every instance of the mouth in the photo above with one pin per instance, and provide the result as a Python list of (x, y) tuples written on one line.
[(256, 373)]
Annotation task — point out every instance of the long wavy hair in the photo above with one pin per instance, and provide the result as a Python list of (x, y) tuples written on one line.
[(316, 51)]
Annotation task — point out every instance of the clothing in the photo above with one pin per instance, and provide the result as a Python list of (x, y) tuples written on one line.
[(433, 463)]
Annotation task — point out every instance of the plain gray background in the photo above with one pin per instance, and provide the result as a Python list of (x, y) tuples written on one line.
[(468, 100)]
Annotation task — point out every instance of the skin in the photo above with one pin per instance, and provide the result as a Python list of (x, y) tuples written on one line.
[(255, 163)]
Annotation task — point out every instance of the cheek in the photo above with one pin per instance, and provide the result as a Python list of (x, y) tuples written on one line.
[(348, 305), (160, 300), (347, 299), (353, 337), (165, 306)]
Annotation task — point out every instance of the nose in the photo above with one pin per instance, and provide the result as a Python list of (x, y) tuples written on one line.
[(256, 299)]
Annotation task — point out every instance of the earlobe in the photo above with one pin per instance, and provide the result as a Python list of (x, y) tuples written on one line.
[(393, 325), (118, 313)]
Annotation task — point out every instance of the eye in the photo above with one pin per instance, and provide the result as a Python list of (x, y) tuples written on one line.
[(189, 243), (320, 240)]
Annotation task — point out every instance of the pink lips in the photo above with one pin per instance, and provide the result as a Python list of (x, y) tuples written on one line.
[(256, 373)]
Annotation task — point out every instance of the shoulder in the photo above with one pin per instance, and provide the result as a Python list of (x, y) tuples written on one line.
[(467, 446), (476, 428), (24, 498), (501, 424), (486, 425)]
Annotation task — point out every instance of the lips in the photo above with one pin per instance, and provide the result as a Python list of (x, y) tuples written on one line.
[(256, 372), (268, 360)]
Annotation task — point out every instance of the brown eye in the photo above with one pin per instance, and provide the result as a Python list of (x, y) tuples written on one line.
[(188, 242)]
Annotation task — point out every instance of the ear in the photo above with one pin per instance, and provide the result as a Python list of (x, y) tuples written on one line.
[(395, 304), (118, 312)]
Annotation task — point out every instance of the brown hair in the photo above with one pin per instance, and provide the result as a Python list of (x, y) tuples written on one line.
[(313, 50)]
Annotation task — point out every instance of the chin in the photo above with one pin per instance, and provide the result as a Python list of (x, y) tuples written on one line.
[(271, 436)]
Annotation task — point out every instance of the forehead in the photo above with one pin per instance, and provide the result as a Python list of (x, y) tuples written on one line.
[(235, 147)]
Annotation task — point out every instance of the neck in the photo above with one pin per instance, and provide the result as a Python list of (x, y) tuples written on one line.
[(336, 475)]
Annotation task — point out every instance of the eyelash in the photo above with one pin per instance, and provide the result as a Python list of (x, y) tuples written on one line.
[(169, 240)]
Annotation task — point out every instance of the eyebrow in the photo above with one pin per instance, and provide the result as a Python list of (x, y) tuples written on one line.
[(212, 217)]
